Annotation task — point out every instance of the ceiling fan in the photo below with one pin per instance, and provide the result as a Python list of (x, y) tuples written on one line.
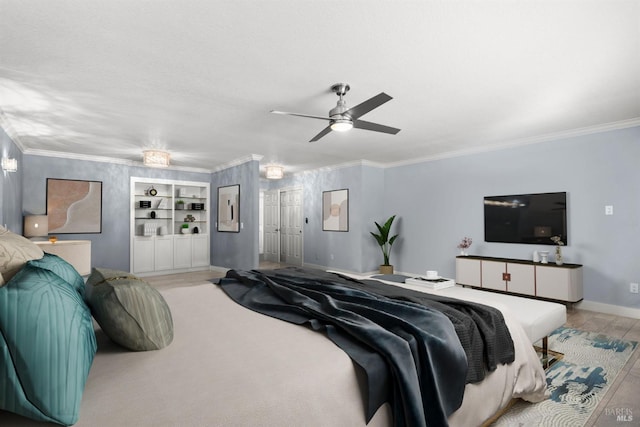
[(341, 118)]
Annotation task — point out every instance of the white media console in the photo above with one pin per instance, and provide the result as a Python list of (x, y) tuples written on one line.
[(525, 278)]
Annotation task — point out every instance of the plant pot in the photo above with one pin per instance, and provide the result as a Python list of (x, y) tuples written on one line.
[(386, 269), (180, 207)]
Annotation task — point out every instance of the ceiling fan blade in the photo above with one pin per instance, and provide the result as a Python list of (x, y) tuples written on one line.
[(300, 115), (322, 133), (368, 105), (361, 124)]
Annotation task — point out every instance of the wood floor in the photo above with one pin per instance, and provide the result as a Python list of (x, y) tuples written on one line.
[(622, 398)]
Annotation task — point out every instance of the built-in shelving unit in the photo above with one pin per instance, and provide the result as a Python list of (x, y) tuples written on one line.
[(168, 235)]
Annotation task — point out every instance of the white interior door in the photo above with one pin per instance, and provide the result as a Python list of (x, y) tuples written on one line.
[(291, 227), (271, 226)]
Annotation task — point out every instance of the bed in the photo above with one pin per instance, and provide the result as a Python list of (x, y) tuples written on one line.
[(229, 366)]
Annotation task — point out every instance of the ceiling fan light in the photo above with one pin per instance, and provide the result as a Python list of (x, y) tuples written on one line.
[(341, 125), (274, 172), (156, 158)]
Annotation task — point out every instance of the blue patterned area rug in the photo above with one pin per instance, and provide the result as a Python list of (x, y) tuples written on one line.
[(577, 383)]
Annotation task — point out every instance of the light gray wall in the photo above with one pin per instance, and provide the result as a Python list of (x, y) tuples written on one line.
[(109, 249), (356, 249), (11, 186), (237, 250), (437, 202), (441, 201)]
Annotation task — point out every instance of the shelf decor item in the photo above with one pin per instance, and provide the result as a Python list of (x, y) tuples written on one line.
[(464, 245), (544, 257), (559, 243), (180, 205)]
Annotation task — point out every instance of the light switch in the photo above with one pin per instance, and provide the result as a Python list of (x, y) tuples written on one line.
[(608, 210)]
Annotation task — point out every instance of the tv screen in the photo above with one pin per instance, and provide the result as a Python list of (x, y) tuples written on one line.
[(526, 218)]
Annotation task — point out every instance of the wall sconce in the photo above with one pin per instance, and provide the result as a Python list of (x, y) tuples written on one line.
[(36, 226), (9, 165), (156, 158), (274, 172)]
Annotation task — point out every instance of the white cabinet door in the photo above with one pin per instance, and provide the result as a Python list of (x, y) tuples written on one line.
[(163, 253), (563, 284), (468, 271), (200, 250), (143, 254), (182, 251), (492, 275), (522, 279)]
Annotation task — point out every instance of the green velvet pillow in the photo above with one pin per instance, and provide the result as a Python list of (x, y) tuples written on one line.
[(47, 345), (62, 268), (129, 310)]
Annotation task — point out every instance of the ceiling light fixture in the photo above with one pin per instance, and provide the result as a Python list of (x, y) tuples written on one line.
[(341, 125), (9, 165), (274, 172), (156, 158)]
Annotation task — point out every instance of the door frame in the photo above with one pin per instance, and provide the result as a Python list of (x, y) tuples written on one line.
[(279, 191)]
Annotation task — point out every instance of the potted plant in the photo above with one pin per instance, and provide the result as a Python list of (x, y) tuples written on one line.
[(185, 229), (385, 244), (180, 205)]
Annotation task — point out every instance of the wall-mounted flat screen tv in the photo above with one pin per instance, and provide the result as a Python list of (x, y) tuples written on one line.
[(526, 218)]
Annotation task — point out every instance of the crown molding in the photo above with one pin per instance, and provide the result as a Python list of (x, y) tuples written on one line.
[(588, 130), (238, 162), (102, 159)]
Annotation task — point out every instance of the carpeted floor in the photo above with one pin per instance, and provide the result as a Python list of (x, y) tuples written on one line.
[(577, 383)]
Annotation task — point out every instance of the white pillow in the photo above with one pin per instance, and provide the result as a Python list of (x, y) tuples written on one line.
[(15, 251)]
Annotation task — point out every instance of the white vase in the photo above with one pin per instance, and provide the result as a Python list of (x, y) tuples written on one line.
[(544, 257)]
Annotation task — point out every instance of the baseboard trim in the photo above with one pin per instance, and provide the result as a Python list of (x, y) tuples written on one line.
[(600, 307), (218, 269)]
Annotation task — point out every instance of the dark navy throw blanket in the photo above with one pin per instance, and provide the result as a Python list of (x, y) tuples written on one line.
[(408, 347)]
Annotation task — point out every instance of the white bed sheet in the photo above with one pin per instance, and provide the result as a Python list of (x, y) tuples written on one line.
[(229, 366)]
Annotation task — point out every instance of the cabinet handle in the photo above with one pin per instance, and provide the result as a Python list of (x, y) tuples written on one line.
[(506, 277)]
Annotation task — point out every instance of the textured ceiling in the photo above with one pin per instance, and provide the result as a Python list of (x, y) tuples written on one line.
[(198, 78)]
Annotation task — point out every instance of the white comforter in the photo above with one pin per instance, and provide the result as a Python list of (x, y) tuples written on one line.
[(229, 366)]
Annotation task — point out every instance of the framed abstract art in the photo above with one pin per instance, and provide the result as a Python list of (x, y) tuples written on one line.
[(229, 208), (335, 210), (74, 206)]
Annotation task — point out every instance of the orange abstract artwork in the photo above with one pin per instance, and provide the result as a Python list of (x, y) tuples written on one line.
[(74, 206)]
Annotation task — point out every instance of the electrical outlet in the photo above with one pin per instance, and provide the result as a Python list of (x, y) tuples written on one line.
[(633, 288), (608, 210)]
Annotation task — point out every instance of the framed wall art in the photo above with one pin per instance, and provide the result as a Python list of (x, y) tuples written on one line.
[(229, 208), (74, 206), (335, 210)]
